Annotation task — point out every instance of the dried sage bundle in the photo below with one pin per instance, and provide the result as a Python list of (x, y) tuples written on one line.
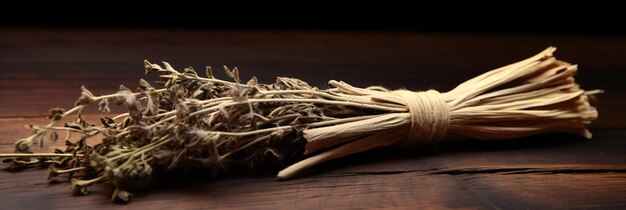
[(193, 121)]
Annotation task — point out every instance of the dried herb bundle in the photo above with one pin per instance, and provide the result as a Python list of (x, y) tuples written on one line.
[(195, 121)]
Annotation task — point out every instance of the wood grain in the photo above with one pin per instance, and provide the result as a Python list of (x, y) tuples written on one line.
[(40, 69)]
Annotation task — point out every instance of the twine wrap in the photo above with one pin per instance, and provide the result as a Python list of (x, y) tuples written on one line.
[(430, 117)]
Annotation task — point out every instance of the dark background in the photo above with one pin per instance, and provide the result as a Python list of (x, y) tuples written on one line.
[(587, 18)]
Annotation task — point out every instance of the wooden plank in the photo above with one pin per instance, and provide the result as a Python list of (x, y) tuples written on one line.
[(566, 174), (40, 69), (552, 191)]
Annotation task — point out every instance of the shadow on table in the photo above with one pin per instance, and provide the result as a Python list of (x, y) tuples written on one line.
[(244, 180)]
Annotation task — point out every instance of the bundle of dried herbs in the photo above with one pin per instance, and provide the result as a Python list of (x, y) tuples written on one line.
[(193, 121)]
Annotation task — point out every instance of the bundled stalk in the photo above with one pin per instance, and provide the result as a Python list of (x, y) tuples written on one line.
[(195, 121)]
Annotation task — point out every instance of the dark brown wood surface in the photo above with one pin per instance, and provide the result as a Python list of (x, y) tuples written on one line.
[(40, 69)]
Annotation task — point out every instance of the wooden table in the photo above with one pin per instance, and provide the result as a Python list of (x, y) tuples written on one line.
[(44, 68)]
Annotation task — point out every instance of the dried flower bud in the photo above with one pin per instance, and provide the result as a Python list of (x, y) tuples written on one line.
[(148, 66), (123, 88), (56, 113), (23, 146), (121, 196), (85, 98), (52, 173), (78, 188), (125, 96), (253, 81), (103, 106), (85, 91), (54, 135), (168, 67), (190, 72), (209, 72), (233, 73), (144, 85), (108, 122)]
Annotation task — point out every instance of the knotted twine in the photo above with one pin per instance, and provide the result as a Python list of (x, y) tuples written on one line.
[(430, 117)]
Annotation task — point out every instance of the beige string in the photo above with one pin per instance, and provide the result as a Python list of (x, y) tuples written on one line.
[(536, 95), (430, 117)]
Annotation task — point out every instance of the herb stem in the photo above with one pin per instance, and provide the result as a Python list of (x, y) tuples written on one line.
[(36, 155)]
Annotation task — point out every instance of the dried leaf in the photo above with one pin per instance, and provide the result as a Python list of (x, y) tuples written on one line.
[(253, 82), (189, 71), (85, 98), (54, 135), (108, 122), (148, 67), (77, 188), (145, 86), (168, 67), (121, 196), (103, 106), (209, 72), (233, 74)]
